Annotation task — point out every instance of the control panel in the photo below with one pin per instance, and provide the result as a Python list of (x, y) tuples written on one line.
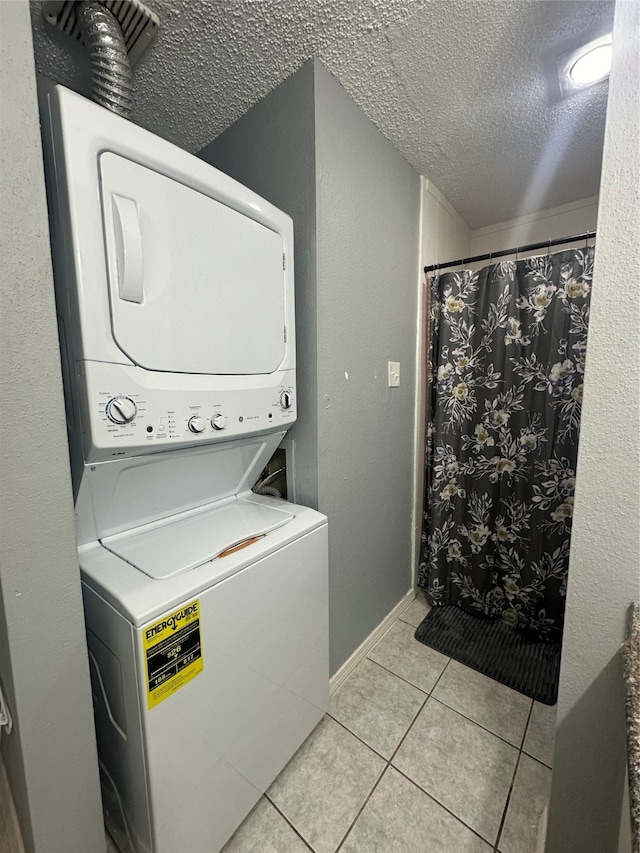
[(122, 418)]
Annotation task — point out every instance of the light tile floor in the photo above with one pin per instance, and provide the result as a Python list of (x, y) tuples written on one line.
[(418, 754)]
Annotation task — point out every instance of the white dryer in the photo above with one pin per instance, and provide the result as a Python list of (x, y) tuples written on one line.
[(206, 605)]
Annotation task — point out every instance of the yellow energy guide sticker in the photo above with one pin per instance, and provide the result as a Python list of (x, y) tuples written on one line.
[(173, 652)]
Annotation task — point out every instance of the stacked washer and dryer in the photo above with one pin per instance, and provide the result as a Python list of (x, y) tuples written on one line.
[(206, 604)]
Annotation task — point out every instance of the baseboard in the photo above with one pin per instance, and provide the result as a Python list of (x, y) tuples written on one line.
[(542, 831), (361, 652)]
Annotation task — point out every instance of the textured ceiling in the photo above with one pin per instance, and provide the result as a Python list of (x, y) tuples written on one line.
[(460, 87)]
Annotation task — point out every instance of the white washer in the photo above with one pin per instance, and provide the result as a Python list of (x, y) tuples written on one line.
[(206, 605), (188, 769)]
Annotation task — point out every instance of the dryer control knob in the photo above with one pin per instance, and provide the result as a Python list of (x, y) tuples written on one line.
[(218, 422), (121, 410), (197, 424), (285, 400)]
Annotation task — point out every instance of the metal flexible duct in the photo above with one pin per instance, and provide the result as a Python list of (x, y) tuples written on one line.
[(111, 71)]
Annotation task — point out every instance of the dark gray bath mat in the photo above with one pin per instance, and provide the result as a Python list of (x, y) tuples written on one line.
[(490, 646)]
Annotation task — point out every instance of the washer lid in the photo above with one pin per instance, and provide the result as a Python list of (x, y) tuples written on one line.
[(194, 286), (170, 547)]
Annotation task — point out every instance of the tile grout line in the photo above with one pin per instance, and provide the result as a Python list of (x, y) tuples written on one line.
[(386, 760), (402, 678), (538, 760), (530, 754), (460, 713), (518, 749), (361, 809), (442, 805), (372, 748), (364, 743), (524, 733), (412, 781), (286, 819), (409, 727), (391, 672), (400, 619), (506, 805), (387, 765), (411, 724), (357, 737), (513, 781), (480, 726)]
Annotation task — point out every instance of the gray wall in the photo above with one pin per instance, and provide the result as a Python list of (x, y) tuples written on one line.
[(355, 204), (368, 270), (50, 756), (604, 576), (271, 149)]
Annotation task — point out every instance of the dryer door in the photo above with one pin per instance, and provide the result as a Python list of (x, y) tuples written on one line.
[(194, 286)]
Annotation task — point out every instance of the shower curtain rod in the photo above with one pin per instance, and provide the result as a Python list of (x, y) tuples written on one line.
[(546, 244)]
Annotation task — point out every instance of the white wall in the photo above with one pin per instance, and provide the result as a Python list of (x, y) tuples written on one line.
[(567, 220), (576, 217), (445, 234), (50, 756), (604, 575)]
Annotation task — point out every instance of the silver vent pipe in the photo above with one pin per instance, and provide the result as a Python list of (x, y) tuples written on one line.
[(110, 68)]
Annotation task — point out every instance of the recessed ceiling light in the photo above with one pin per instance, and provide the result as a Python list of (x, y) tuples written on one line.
[(592, 65), (585, 65)]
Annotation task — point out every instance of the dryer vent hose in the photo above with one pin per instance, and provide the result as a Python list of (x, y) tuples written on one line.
[(110, 68)]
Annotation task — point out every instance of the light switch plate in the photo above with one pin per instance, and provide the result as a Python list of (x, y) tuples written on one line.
[(394, 374)]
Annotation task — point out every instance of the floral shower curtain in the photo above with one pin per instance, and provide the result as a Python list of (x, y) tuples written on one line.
[(507, 352)]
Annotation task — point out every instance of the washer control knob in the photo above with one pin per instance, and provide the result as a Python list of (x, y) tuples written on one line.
[(197, 424), (218, 421), (121, 410), (285, 400)]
